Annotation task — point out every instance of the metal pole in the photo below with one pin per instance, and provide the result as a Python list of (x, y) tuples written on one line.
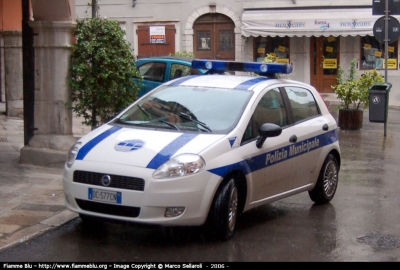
[(94, 8), (386, 53), (28, 68)]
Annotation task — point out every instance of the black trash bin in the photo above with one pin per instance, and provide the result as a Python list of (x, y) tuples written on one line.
[(378, 102)]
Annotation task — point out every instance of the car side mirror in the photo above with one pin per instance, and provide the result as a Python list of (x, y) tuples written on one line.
[(267, 130)]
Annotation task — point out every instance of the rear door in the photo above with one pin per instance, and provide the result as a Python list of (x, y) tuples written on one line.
[(306, 135)]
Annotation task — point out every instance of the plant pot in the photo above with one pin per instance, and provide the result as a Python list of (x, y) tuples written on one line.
[(350, 119)]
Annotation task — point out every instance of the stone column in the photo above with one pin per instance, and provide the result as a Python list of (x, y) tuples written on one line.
[(53, 119), (13, 80)]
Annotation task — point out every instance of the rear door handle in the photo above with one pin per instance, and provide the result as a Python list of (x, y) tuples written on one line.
[(293, 139), (325, 127)]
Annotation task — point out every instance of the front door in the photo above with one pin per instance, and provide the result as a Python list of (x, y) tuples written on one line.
[(214, 37), (324, 62)]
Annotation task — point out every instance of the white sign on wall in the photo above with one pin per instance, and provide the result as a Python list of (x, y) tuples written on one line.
[(157, 34)]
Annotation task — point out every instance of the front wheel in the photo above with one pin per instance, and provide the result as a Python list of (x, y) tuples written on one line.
[(327, 182), (224, 211)]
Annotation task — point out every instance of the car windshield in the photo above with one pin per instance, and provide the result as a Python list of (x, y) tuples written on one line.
[(199, 109)]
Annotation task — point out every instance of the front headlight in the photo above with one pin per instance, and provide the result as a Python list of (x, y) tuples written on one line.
[(181, 165), (73, 151)]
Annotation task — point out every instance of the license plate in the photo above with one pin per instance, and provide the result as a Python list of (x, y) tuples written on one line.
[(105, 196)]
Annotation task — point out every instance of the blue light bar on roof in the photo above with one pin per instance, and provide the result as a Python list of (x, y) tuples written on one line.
[(256, 67)]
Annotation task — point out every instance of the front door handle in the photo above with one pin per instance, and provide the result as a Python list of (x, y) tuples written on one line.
[(293, 139)]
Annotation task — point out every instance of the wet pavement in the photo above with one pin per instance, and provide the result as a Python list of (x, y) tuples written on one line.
[(31, 197), (32, 202)]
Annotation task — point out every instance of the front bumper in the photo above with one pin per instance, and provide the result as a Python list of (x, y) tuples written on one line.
[(194, 192)]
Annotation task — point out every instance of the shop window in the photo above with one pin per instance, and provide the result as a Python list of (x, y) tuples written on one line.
[(275, 46), (373, 54), (330, 55)]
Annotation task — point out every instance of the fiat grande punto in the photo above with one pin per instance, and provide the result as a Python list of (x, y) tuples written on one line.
[(202, 149)]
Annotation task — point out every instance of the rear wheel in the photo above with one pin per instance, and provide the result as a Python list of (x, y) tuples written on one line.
[(327, 182), (224, 211)]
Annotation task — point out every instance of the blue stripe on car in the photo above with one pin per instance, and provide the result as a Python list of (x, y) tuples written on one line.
[(247, 84), (166, 153), (280, 155), (92, 143), (183, 79)]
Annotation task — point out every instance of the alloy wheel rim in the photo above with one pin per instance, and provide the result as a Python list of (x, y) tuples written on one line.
[(330, 178), (232, 213)]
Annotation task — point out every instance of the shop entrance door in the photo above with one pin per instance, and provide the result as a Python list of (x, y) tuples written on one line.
[(324, 62), (214, 37)]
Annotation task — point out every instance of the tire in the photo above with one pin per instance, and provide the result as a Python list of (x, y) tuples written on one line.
[(327, 182), (223, 214)]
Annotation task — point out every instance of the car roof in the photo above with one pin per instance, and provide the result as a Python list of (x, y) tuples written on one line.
[(238, 82), (166, 58)]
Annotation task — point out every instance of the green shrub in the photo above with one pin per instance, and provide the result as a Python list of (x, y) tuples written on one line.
[(102, 68), (183, 54), (353, 93)]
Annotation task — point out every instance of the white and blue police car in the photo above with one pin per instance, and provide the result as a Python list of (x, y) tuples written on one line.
[(202, 149)]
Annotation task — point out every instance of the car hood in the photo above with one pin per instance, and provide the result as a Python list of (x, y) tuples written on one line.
[(140, 147)]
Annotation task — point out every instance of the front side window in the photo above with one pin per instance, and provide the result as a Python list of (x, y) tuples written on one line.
[(302, 102), (153, 71), (373, 54), (270, 109)]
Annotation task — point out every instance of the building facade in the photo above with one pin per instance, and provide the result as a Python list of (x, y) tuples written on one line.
[(11, 56), (315, 36)]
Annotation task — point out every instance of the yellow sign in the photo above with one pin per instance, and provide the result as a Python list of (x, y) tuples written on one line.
[(378, 54), (329, 49), (330, 63), (367, 46), (331, 38), (281, 48), (261, 50), (392, 63), (282, 60), (272, 54), (390, 49)]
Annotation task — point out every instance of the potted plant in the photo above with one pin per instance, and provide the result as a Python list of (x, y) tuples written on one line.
[(353, 94)]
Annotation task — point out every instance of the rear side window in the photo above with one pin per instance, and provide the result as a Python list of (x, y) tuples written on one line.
[(302, 102), (179, 70), (153, 71)]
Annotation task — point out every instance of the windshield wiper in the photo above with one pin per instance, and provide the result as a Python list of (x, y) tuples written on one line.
[(186, 116), (168, 123), (143, 110), (151, 120)]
